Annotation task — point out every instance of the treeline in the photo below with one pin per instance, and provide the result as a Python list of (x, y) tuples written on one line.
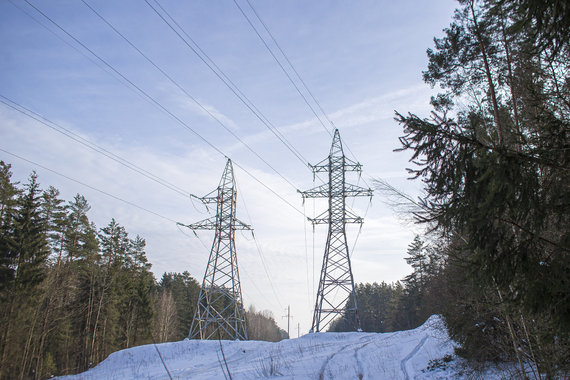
[(402, 305), (488, 326), (261, 325), (72, 293), (494, 159)]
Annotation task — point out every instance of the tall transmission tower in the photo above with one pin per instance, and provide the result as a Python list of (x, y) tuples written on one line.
[(336, 295), (219, 312)]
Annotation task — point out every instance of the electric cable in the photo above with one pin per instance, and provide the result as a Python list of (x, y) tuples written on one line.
[(88, 186), (159, 105), (278, 62), (66, 42), (241, 270), (292, 68), (150, 98), (226, 80), (259, 251), (359, 230), (85, 142), (174, 82), (306, 255)]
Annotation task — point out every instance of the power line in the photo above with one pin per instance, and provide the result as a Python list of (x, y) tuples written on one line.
[(260, 253), (158, 104), (306, 255), (74, 136), (242, 270), (88, 186), (226, 80), (280, 65), (64, 41), (292, 68), (205, 109), (268, 188), (150, 98), (291, 65), (359, 230)]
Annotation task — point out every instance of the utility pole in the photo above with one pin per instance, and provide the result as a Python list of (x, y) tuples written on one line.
[(219, 313), (288, 316), (336, 294), (298, 330)]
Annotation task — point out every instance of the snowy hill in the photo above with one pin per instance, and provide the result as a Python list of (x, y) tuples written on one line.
[(398, 355)]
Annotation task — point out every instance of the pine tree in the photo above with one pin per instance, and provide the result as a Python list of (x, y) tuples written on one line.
[(496, 169), (419, 261), (27, 243), (134, 288), (8, 192), (8, 200), (26, 246), (379, 309), (79, 239), (54, 212)]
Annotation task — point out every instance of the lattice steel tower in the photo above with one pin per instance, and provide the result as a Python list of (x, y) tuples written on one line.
[(219, 312), (336, 285)]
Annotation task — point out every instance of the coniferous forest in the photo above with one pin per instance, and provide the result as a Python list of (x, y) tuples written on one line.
[(72, 293)]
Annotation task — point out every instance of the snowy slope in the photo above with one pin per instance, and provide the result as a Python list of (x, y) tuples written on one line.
[(398, 355)]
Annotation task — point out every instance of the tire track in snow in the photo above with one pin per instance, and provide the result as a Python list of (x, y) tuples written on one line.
[(324, 367), (411, 355), (358, 361), (343, 349)]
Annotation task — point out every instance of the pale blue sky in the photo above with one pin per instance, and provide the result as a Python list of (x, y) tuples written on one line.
[(361, 59)]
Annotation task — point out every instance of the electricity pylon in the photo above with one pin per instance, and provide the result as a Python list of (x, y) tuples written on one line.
[(219, 312), (336, 293)]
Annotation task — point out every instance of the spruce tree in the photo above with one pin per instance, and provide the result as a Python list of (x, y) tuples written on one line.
[(8, 200), (496, 166), (80, 235), (26, 246), (26, 243), (54, 213)]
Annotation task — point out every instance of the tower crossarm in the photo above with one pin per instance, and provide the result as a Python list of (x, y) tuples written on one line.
[(320, 167), (324, 166), (356, 191), (208, 198), (324, 218), (239, 225), (321, 219), (206, 224), (352, 166), (349, 190), (210, 224), (350, 217), (316, 192)]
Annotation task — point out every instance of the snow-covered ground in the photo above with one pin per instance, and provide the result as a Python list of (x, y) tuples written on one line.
[(397, 355)]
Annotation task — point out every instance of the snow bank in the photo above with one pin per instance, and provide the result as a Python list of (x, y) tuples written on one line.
[(398, 355)]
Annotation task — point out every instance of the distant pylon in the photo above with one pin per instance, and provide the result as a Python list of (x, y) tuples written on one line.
[(336, 285), (219, 312)]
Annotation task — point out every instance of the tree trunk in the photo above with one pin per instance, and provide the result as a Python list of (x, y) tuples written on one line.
[(488, 74), (510, 74), (6, 336)]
